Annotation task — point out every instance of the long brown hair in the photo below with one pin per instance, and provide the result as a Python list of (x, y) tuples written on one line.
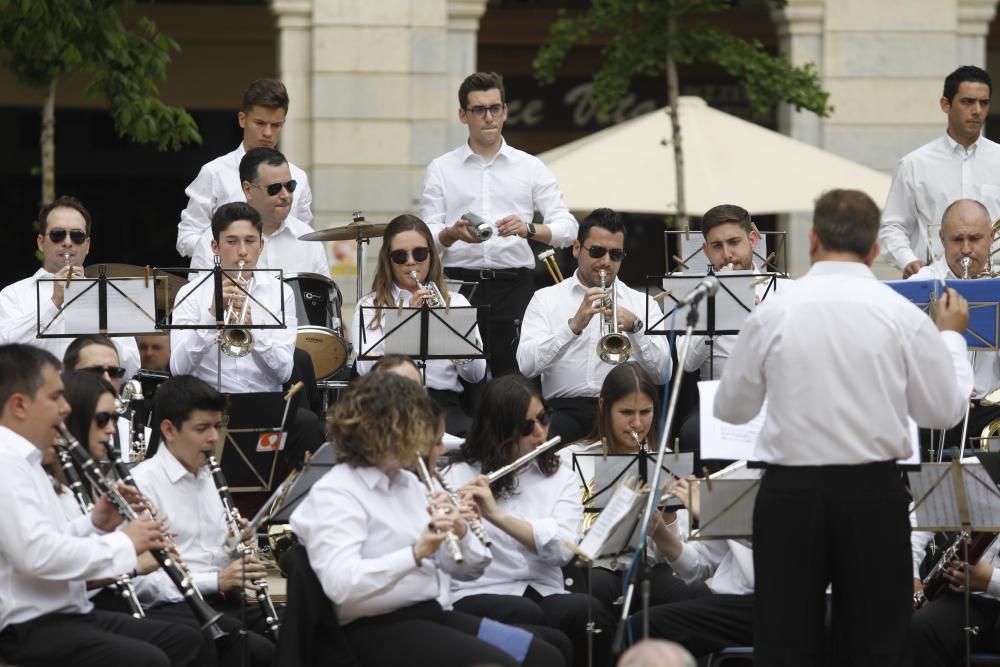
[(624, 379), (382, 284)]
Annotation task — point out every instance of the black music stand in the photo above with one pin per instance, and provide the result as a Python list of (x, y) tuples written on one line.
[(684, 248), (248, 452), (109, 306), (606, 472)]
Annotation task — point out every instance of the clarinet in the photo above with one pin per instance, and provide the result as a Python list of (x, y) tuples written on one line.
[(207, 617), (934, 583), (123, 583), (234, 521)]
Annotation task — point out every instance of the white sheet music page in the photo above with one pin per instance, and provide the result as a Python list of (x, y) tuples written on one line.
[(133, 312), (624, 501), (933, 488)]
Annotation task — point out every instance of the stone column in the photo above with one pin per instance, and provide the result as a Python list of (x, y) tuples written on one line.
[(294, 25), (974, 17), (463, 28)]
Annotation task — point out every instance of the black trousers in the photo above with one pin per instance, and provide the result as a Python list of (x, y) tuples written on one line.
[(507, 292), (425, 635), (702, 625), (606, 586), (845, 525), (937, 630), (572, 418), (102, 639), (259, 649), (456, 421)]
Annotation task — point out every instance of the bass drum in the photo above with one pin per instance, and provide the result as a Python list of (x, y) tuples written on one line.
[(321, 335)]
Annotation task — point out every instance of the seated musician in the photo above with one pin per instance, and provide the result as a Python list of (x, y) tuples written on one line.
[(407, 247), (154, 352), (64, 242), (627, 415), (177, 481), (45, 560), (268, 186), (379, 559), (966, 232), (705, 623), (562, 327), (236, 230), (531, 514)]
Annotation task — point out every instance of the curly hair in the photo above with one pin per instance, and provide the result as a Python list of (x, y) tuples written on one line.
[(496, 429), (382, 417), (624, 379)]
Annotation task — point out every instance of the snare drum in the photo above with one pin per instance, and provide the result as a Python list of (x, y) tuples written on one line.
[(317, 307)]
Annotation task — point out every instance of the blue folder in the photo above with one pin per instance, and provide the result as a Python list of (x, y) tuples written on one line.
[(983, 296)]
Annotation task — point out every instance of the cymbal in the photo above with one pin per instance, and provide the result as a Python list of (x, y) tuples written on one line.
[(174, 282), (352, 232)]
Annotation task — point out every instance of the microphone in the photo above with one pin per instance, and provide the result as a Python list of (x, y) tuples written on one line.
[(707, 287)]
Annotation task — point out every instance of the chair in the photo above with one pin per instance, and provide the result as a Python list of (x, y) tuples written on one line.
[(744, 653)]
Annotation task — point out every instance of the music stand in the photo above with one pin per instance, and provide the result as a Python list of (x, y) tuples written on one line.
[(110, 306), (600, 475), (248, 452), (684, 249), (726, 500), (983, 295)]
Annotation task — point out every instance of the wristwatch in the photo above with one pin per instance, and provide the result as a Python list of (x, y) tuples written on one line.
[(531, 231), (637, 327)]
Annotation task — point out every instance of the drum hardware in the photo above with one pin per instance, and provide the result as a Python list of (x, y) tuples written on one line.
[(358, 230), (320, 333)]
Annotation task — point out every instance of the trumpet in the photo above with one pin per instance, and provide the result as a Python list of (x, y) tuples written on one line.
[(451, 539), (436, 299), (237, 343), (965, 262), (613, 347)]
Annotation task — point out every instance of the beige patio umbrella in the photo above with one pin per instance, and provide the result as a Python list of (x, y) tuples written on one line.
[(630, 166)]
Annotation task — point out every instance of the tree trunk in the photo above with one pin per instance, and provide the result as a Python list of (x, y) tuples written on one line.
[(48, 145), (673, 92)]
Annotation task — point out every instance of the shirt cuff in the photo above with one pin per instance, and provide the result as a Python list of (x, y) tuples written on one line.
[(955, 341), (206, 582), (123, 556)]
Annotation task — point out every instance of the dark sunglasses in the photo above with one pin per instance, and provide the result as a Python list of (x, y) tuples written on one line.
[(115, 372), (274, 188), (543, 418), (101, 419), (77, 236), (400, 256), (596, 252)]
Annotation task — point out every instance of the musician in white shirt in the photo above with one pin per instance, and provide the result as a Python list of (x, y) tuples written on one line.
[(64, 241), (562, 328), (45, 616), (408, 247), (268, 186), (265, 105)]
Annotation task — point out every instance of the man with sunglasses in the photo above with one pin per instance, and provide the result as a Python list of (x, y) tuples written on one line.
[(265, 105), (64, 228), (504, 186), (562, 327), (268, 186)]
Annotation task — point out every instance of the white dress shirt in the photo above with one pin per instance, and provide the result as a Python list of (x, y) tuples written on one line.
[(925, 182), (985, 363), (45, 560), (440, 373), (568, 363), (19, 321), (195, 512), (219, 183), (359, 527), (842, 360), (195, 351), (552, 505), (513, 182), (729, 563), (282, 250)]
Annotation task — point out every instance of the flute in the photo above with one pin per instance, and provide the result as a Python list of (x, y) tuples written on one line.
[(476, 526), (451, 539), (527, 458)]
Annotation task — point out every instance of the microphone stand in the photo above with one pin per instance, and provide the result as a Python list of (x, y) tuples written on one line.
[(640, 573)]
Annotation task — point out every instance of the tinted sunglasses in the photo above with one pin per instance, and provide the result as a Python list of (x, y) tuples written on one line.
[(596, 252), (274, 188), (58, 235), (115, 372), (400, 256), (101, 419), (543, 418)]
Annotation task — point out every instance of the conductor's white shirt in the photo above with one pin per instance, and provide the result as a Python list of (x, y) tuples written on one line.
[(219, 183), (842, 360), (282, 250), (19, 315), (195, 351), (45, 560), (568, 363), (512, 182)]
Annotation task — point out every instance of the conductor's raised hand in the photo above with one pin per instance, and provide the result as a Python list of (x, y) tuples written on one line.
[(952, 311)]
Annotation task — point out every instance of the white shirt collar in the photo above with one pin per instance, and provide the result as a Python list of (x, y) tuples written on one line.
[(21, 446), (959, 148), (467, 152), (174, 469)]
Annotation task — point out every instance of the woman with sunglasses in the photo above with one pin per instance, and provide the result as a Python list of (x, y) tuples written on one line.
[(531, 515), (408, 248)]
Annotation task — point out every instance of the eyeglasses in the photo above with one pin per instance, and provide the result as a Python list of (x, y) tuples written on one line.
[(596, 252), (115, 372), (480, 111), (418, 254), (275, 188), (101, 419), (58, 235), (543, 418)]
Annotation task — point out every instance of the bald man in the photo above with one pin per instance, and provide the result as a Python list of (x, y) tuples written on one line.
[(656, 653)]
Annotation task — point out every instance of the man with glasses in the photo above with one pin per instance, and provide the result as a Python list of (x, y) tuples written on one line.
[(265, 104), (268, 186), (562, 327), (505, 187), (64, 240)]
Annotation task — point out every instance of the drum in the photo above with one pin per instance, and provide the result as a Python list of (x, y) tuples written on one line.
[(317, 307)]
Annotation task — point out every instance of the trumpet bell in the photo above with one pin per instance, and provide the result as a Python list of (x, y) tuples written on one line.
[(614, 348), (236, 343)]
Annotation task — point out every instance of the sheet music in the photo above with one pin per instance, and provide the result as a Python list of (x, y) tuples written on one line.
[(726, 508), (983, 497), (937, 507), (441, 340), (81, 312), (624, 501)]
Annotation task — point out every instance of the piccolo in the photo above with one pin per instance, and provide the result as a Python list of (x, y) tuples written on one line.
[(451, 539), (521, 462)]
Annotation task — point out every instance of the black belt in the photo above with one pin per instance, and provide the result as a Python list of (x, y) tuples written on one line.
[(470, 275)]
